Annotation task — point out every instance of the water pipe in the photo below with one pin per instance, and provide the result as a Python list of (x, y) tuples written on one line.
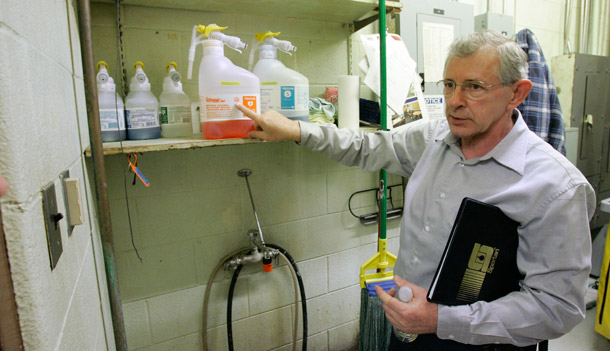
[(99, 173)]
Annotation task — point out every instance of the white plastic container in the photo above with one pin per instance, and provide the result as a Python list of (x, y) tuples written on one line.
[(223, 84), (111, 107), (175, 106), (282, 89), (141, 108)]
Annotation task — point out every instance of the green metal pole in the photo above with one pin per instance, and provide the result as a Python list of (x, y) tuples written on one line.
[(383, 177)]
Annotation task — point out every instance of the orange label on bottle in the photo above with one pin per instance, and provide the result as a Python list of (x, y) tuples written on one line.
[(250, 102), (221, 107)]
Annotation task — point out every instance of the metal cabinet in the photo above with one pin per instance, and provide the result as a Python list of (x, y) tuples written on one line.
[(583, 85)]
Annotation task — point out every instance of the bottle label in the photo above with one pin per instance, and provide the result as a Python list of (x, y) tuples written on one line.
[(140, 118), (111, 120), (284, 97), (172, 115), (221, 107)]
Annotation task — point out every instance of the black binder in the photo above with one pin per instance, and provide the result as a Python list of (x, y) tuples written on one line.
[(480, 259)]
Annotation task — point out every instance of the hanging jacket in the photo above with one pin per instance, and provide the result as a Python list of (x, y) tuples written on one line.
[(541, 110)]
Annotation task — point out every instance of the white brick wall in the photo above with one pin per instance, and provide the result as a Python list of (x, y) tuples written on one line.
[(42, 130)]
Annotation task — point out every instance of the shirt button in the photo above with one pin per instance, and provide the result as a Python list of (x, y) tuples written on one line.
[(427, 228), (461, 165), (415, 259), (451, 336), (442, 195)]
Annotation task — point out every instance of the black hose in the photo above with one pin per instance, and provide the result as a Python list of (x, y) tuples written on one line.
[(230, 306), (301, 290)]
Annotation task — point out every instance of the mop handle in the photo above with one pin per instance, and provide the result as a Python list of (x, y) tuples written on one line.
[(383, 109)]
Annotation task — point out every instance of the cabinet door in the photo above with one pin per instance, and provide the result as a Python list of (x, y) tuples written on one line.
[(592, 125)]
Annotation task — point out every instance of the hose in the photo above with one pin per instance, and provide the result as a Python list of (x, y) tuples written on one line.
[(230, 306), (206, 298), (301, 289), (296, 275)]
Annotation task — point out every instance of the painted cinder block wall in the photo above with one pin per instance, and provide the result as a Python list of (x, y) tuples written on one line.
[(43, 132), (300, 196)]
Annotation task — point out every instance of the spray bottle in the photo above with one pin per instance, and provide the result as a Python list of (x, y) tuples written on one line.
[(112, 114), (223, 84), (175, 105), (282, 89), (141, 108)]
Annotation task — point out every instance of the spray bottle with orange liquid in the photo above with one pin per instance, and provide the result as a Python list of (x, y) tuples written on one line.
[(223, 84)]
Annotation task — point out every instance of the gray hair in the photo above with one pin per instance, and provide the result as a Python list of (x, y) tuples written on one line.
[(513, 60)]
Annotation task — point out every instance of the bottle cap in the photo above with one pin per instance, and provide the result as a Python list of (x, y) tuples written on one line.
[(405, 294)]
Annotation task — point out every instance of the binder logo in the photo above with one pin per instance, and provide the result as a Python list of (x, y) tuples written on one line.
[(480, 257), (482, 261)]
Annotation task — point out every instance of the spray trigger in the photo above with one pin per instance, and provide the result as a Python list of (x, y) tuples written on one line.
[(135, 170)]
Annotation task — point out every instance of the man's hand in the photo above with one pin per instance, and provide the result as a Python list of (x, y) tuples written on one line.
[(417, 316), (272, 126)]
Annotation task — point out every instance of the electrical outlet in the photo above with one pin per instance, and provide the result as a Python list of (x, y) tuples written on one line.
[(51, 221)]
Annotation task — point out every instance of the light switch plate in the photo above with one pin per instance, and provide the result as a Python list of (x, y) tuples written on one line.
[(51, 221), (63, 176)]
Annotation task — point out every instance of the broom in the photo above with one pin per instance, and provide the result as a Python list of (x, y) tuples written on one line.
[(375, 329)]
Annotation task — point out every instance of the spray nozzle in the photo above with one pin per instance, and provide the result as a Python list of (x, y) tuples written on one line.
[(211, 31), (102, 72), (270, 39), (172, 73)]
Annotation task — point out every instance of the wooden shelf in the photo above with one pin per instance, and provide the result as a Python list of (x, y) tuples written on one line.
[(342, 11), (164, 144)]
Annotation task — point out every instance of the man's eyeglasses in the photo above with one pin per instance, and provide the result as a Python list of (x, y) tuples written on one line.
[(473, 89)]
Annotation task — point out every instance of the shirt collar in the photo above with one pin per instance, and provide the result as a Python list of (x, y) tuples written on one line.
[(510, 152)]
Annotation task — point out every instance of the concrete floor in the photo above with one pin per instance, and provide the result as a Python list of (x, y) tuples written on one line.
[(582, 338)]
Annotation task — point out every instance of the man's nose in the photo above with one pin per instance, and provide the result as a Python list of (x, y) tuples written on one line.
[(458, 98)]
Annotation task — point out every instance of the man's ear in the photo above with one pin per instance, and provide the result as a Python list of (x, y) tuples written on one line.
[(520, 90)]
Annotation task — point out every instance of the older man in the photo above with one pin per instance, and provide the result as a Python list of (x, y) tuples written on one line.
[(485, 151)]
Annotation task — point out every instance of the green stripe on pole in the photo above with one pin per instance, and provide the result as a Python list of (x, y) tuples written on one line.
[(383, 109)]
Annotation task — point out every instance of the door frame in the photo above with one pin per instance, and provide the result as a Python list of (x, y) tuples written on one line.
[(10, 331)]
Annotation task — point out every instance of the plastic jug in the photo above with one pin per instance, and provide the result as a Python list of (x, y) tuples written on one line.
[(175, 106), (223, 84), (112, 114), (141, 108), (282, 89)]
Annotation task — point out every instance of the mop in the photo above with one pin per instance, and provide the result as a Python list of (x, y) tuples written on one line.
[(375, 329)]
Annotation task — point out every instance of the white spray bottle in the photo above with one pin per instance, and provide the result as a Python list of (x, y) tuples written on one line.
[(141, 108), (175, 106), (112, 114), (223, 84), (282, 89)]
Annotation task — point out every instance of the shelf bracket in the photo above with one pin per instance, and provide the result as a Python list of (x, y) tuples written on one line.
[(391, 7)]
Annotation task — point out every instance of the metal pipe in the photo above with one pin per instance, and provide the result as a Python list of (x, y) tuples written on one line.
[(567, 46), (99, 173), (585, 9)]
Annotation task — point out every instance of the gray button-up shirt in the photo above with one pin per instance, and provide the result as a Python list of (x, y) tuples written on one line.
[(530, 181)]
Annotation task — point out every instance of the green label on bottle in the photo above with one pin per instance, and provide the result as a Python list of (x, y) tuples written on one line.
[(163, 115)]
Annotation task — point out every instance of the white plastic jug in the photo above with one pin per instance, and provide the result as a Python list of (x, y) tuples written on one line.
[(175, 106), (282, 89), (141, 108), (111, 107), (223, 84)]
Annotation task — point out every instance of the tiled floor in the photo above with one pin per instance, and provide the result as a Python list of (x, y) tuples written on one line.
[(582, 338)]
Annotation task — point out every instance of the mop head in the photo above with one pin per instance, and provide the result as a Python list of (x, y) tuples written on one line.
[(375, 329)]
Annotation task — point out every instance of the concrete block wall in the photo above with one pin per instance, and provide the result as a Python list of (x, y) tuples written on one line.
[(187, 221), (43, 131)]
